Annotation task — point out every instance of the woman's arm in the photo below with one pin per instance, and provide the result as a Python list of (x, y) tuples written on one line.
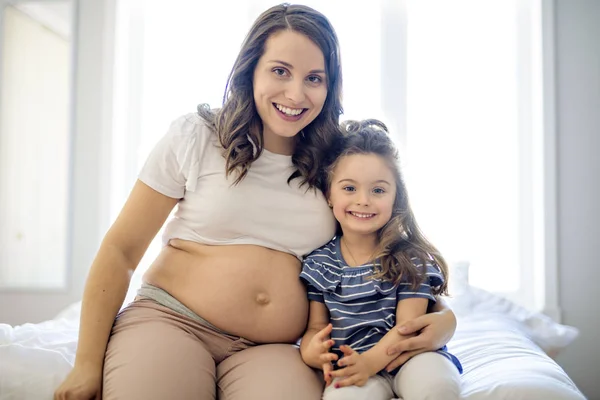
[(408, 309), (432, 330), (108, 280), (120, 252)]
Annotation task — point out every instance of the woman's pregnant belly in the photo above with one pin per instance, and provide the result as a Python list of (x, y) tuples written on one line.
[(245, 290)]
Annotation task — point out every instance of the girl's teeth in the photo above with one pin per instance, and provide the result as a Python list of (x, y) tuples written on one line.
[(361, 215)]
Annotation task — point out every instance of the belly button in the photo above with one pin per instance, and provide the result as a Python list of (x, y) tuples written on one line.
[(262, 299)]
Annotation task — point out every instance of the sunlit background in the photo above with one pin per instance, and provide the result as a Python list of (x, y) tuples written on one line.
[(458, 83), (460, 91)]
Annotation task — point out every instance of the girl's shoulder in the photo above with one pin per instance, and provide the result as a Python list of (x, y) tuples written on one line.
[(323, 268), (326, 257), (327, 251), (429, 268)]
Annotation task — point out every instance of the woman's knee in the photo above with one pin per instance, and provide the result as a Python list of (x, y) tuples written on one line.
[(271, 371)]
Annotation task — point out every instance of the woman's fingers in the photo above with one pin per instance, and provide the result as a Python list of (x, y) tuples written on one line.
[(410, 344), (436, 328), (402, 358), (415, 325)]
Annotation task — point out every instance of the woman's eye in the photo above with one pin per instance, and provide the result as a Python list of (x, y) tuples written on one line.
[(279, 71), (316, 79), (348, 188), (378, 191)]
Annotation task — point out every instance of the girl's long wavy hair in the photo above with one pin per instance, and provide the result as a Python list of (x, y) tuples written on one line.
[(238, 119), (400, 239)]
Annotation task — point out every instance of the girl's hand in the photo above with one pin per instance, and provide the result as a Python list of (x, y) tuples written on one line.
[(327, 368), (357, 369), (433, 331), (317, 352)]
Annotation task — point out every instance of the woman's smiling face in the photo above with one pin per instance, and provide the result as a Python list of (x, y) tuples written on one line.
[(290, 88)]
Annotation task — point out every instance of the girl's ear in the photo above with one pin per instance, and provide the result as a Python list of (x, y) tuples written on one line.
[(328, 197)]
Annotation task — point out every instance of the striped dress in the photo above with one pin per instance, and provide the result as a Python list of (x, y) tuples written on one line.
[(362, 310)]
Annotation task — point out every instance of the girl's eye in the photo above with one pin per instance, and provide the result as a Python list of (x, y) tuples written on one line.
[(378, 191), (348, 188)]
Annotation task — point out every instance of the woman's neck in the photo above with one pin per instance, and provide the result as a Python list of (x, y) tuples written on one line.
[(278, 144), (358, 249)]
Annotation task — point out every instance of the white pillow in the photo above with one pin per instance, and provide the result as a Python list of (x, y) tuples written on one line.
[(465, 299)]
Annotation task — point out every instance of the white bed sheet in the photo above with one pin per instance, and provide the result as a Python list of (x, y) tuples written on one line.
[(500, 361)]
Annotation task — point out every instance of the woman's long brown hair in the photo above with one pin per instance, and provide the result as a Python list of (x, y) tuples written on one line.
[(238, 120)]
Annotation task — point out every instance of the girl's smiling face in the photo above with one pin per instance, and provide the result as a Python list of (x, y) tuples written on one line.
[(362, 193)]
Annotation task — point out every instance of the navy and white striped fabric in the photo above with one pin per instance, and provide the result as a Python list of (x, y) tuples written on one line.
[(362, 310)]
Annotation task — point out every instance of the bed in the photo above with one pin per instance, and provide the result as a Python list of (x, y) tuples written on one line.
[(504, 350)]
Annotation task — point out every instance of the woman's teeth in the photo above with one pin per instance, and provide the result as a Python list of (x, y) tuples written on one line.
[(289, 111)]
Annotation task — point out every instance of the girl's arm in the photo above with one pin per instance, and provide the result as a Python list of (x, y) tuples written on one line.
[(440, 305), (406, 310), (316, 341)]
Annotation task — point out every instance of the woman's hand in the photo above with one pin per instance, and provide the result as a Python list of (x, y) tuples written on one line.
[(82, 383), (432, 331)]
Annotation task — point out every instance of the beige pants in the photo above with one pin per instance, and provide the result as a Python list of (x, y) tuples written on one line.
[(157, 353)]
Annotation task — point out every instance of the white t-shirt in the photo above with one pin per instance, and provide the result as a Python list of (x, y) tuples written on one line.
[(263, 209)]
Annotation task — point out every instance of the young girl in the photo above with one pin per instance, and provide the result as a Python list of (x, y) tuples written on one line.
[(379, 270)]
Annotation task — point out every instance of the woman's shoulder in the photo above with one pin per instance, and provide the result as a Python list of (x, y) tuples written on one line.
[(190, 134), (191, 124)]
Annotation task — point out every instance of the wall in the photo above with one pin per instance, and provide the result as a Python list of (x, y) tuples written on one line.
[(577, 34)]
